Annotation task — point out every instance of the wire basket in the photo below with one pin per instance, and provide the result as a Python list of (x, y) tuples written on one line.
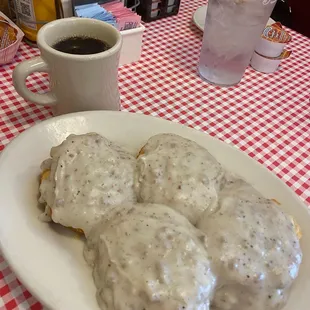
[(7, 54)]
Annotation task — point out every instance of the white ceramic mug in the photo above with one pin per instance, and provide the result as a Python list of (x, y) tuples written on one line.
[(77, 82)]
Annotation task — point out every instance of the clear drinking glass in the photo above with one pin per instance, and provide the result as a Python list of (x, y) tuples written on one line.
[(232, 29)]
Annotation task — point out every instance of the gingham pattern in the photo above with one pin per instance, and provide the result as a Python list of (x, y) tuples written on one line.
[(267, 116)]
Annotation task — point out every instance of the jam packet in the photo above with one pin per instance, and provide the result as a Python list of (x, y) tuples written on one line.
[(276, 33)]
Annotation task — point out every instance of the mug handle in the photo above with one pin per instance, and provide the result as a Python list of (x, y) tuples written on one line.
[(20, 74)]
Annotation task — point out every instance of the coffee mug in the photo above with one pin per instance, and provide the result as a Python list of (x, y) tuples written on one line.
[(77, 82)]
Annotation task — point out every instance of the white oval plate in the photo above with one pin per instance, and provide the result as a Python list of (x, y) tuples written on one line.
[(199, 17), (48, 259)]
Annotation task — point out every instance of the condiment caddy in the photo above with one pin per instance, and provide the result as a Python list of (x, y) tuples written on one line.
[(151, 10)]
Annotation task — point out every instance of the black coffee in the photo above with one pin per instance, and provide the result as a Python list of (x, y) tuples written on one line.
[(81, 46)]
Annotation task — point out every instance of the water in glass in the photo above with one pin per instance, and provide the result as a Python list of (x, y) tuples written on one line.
[(232, 29)]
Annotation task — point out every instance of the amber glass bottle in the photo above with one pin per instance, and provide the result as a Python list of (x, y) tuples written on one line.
[(33, 14)]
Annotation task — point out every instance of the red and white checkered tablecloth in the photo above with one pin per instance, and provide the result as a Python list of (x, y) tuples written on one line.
[(266, 116)]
